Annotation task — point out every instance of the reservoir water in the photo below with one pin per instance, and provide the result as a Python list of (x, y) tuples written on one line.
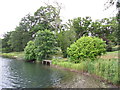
[(20, 74)]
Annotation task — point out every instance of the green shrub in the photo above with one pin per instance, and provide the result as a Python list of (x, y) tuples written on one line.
[(30, 51), (86, 48)]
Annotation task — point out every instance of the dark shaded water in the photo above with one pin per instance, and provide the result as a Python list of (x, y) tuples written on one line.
[(15, 73)]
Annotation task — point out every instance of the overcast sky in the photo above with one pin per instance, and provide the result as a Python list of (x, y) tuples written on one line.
[(11, 11)]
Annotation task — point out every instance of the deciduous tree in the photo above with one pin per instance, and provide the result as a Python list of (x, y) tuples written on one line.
[(45, 44)]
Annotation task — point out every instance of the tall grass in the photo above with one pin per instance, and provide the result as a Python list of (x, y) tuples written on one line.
[(107, 69)]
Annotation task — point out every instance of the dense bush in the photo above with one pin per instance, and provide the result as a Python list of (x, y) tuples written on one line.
[(29, 51), (45, 44), (86, 48)]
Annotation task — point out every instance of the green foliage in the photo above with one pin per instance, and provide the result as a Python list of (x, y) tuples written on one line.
[(106, 29), (86, 48), (18, 39), (45, 44), (65, 39), (15, 41), (30, 51), (107, 69), (37, 28), (81, 26), (5, 46), (48, 17), (0, 45)]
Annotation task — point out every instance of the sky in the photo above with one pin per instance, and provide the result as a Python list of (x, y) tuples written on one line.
[(11, 11)]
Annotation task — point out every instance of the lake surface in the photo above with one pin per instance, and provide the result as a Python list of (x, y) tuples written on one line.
[(20, 74)]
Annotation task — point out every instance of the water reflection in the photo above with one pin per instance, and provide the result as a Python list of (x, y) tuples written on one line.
[(21, 74)]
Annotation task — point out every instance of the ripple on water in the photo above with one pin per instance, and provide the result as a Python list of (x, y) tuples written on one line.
[(20, 74)]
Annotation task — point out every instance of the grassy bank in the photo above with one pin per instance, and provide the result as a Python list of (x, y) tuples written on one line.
[(105, 67), (14, 55)]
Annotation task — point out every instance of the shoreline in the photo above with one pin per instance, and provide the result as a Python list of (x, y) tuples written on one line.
[(17, 57), (12, 56), (88, 74)]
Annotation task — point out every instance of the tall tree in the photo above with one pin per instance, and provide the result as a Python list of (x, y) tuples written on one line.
[(48, 16), (18, 39), (5, 46), (15, 41), (118, 18), (27, 23), (105, 29), (81, 26), (117, 3), (65, 39), (45, 43)]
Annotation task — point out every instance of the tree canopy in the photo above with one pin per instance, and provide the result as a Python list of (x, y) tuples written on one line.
[(46, 25)]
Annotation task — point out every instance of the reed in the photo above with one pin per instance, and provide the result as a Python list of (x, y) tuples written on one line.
[(107, 69)]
